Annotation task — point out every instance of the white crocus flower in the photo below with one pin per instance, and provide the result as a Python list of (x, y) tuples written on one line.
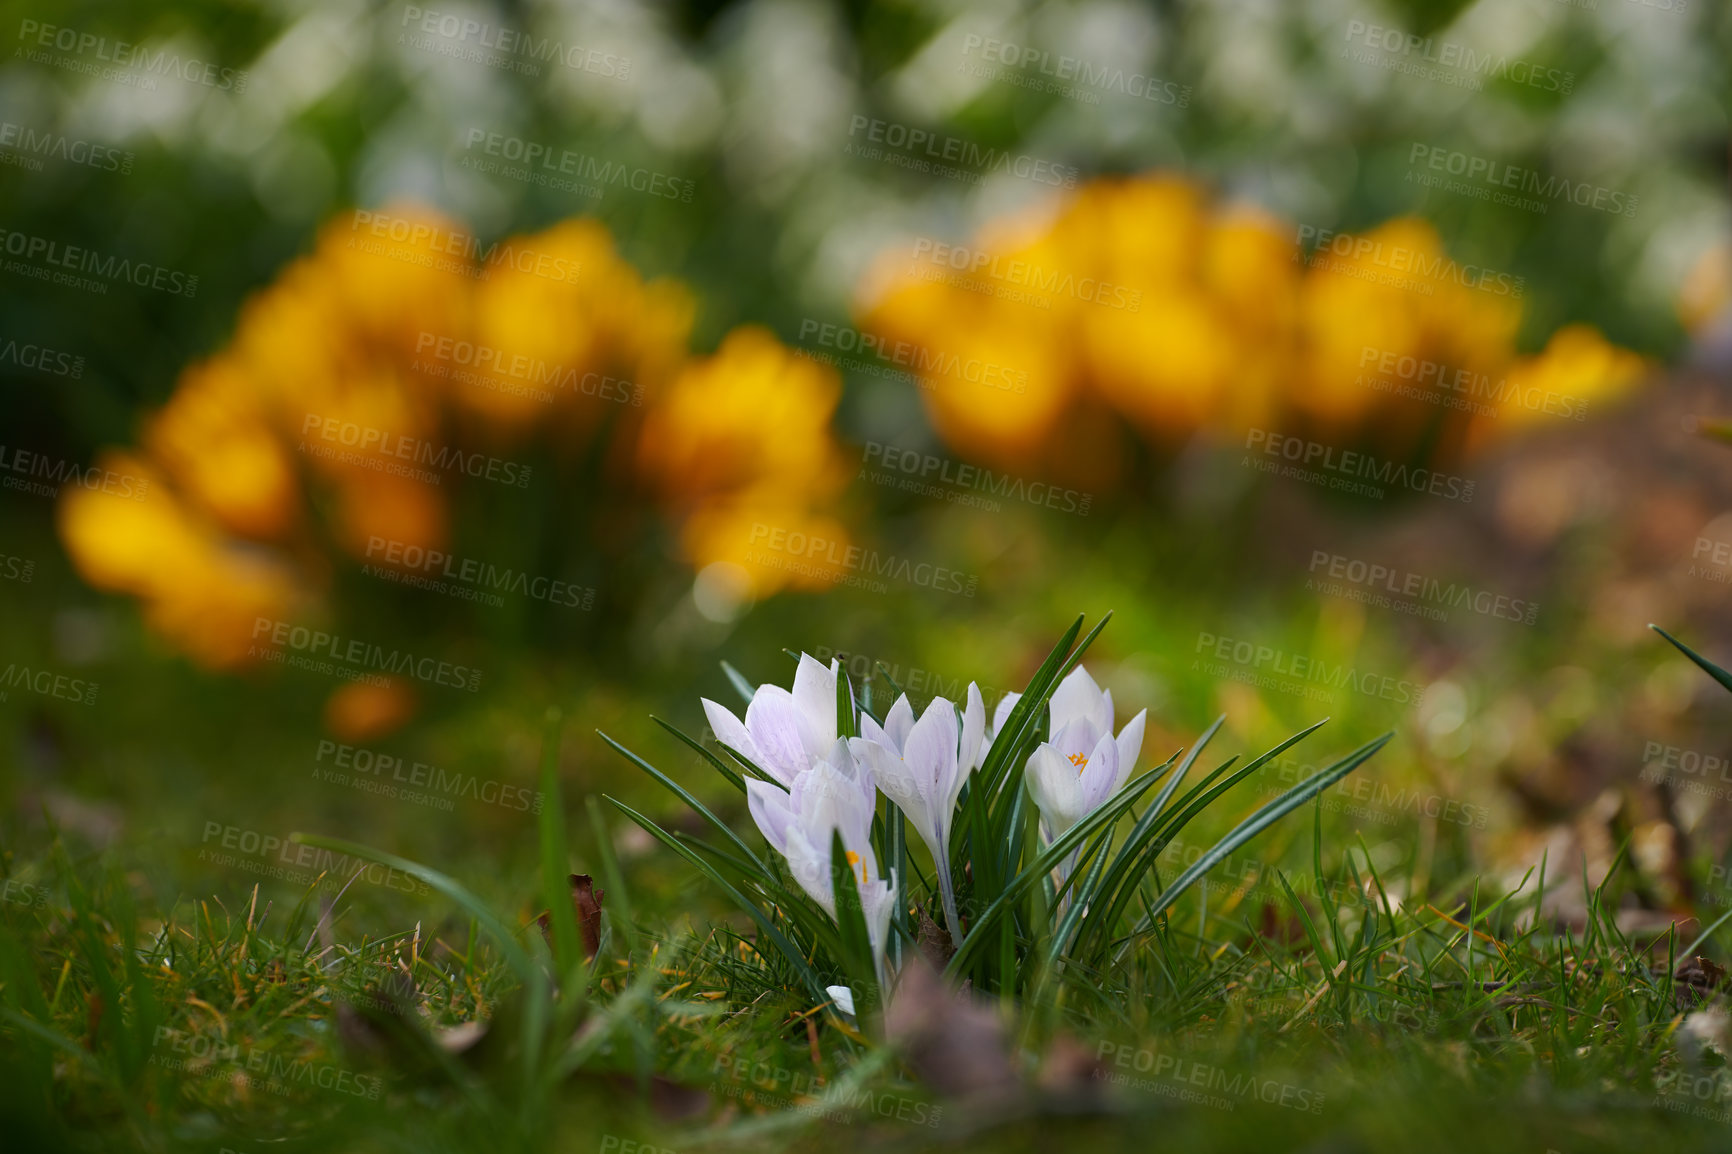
[(1081, 765), (995, 727), (922, 767), (784, 732), (835, 794), (843, 997)]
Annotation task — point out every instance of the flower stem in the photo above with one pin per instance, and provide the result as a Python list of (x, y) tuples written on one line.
[(948, 894)]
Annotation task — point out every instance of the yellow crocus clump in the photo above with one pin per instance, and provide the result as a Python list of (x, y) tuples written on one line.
[(349, 379), (740, 447), (1144, 296)]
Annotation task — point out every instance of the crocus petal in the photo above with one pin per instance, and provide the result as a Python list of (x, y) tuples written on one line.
[(815, 700), (827, 798), (770, 809), (1052, 783), (898, 722), (774, 723), (843, 997), (810, 867), (1075, 742), (877, 903), (973, 732), (1002, 713), (931, 747), (1099, 779), (1130, 743), (730, 732), (890, 774), (1077, 696), (871, 731)]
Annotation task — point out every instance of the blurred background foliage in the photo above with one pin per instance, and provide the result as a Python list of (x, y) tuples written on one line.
[(1273, 126)]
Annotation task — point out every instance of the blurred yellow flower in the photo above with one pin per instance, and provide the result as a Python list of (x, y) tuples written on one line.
[(1181, 315), (362, 711), (349, 379), (741, 441), (200, 590)]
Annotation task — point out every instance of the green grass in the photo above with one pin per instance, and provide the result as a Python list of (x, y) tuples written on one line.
[(1378, 1017)]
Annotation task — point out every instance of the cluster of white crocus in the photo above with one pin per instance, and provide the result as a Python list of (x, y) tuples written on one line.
[(821, 784), (922, 767), (819, 790)]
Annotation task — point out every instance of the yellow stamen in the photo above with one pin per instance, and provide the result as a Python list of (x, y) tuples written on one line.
[(854, 860), (1081, 761)]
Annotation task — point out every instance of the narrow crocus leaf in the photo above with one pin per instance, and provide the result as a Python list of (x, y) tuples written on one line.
[(896, 859), (895, 685), (716, 763), (1042, 865), (857, 960), (618, 899), (794, 957), (744, 688), (697, 806), (1026, 710), (555, 857), (845, 719), (1010, 747), (1261, 820), (1153, 833), (1708, 667), (1082, 896)]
